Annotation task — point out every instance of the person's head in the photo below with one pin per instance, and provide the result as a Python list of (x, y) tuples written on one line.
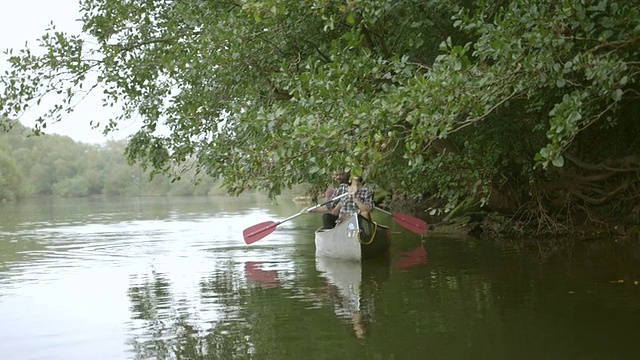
[(340, 177)]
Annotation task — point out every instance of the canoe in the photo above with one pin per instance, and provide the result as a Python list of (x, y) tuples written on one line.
[(355, 239)]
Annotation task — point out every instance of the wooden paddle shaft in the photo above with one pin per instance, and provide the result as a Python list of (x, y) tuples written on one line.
[(258, 231), (384, 211), (317, 206)]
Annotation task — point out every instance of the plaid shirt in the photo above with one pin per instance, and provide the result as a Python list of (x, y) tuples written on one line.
[(364, 194)]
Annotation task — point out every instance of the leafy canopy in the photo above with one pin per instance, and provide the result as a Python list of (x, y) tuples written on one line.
[(433, 98)]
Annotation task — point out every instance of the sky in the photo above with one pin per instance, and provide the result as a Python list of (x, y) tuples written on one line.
[(25, 21)]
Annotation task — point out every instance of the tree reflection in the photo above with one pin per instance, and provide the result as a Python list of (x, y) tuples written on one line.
[(249, 316), (148, 300), (171, 328)]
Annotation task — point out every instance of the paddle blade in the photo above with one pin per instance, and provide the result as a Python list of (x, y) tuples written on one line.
[(411, 223), (258, 231)]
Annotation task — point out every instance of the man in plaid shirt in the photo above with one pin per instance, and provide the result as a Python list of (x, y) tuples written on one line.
[(360, 200)]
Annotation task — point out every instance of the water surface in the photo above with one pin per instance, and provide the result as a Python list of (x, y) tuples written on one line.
[(168, 278)]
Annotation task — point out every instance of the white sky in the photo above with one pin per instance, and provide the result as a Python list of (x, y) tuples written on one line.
[(25, 21)]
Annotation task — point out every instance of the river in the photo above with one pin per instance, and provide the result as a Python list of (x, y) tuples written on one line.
[(171, 278)]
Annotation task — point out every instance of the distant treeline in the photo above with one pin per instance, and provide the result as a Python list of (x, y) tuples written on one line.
[(54, 165)]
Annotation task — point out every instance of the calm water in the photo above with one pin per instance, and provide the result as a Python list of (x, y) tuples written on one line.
[(171, 278)]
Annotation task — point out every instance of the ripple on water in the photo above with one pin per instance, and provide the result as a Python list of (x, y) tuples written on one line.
[(151, 277)]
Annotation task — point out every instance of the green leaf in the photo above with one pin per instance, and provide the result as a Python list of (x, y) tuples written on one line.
[(558, 161), (617, 95), (351, 19)]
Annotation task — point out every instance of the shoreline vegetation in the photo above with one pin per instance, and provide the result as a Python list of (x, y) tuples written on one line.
[(56, 166), (503, 118)]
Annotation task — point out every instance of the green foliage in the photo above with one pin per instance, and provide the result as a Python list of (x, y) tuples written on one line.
[(58, 166), (72, 187), (10, 179), (578, 57), (444, 99)]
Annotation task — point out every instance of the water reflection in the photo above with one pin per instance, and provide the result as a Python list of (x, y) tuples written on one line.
[(155, 279), (411, 258), (351, 287), (245, 315), (168, 325), (153, 316), (257, 274)]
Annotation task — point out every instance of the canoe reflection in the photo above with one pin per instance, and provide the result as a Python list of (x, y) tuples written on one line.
[(351, 287)]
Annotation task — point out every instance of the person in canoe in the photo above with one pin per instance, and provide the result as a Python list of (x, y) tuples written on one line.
[(360, 200), (339, 178)]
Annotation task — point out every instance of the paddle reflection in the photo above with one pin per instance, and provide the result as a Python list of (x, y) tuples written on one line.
[(351, 287), (411, 258), (258, 275)]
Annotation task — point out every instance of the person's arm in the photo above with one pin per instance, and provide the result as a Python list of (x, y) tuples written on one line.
[(364, 200), (329, 193), (336, 210)]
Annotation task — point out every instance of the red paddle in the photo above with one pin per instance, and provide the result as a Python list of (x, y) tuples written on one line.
[(408, 222), (259, 231)]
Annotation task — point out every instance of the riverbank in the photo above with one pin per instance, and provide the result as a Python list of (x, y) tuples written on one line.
[(495, 226)]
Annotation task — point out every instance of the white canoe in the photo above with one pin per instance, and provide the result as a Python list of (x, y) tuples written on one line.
[(355, 239)]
